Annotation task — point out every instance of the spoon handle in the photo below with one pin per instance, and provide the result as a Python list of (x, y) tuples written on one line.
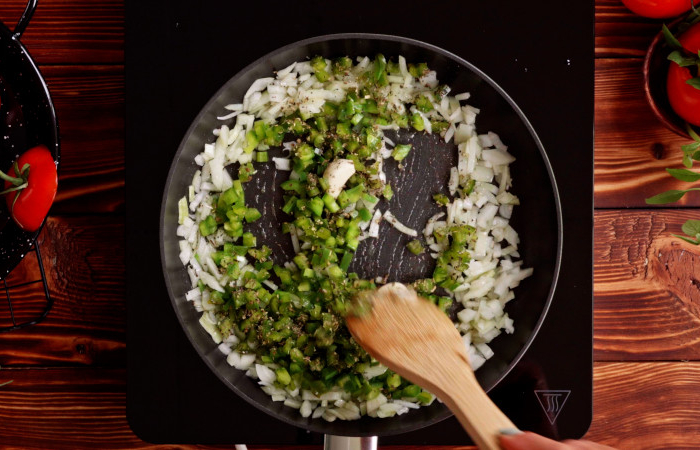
[(479, 416)]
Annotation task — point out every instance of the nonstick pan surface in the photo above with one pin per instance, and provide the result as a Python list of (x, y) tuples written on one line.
[(537, 219)]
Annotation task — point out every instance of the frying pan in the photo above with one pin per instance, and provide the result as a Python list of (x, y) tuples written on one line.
[(537, 219), (27, 119)]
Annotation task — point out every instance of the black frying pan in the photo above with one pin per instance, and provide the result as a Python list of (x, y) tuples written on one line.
[(537, 220), (27, 119)]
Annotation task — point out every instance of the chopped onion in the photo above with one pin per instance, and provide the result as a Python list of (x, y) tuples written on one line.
[(282, 163), (265, 374), (398, 225), (211, 328), (229, 116), (374, 224), (374, 371), (497, 157)]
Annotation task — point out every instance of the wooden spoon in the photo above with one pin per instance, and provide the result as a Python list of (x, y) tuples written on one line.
[(412, 337)]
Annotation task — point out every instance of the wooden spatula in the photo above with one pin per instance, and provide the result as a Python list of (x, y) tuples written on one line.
[(412, 337)]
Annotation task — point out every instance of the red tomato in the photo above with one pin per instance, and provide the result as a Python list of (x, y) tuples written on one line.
[(33, 202), (657, 9), (684, 98)]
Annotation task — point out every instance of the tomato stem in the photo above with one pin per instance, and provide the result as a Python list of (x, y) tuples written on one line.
[(15, 188), (14, 180), (19, 182)]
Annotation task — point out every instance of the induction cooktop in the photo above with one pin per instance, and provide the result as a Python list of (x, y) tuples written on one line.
[(178, 54)]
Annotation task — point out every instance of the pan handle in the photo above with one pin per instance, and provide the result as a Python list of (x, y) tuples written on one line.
[(24, 20), (331, 442)]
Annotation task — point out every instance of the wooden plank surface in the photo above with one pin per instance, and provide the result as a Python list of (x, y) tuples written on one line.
[(87, 325), (85, 408), (619, 33), (646, 405), (75, 31), (89, 101), (632, 149), (646, 287)]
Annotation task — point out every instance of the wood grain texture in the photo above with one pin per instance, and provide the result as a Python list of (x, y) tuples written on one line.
[(49, 408), (646, 405), (632, 148), (646, 287), (87, 325), (90, 105), (61, 31), (619, 32), (86, 408)]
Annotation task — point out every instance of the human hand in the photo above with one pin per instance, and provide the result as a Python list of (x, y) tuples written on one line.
[(532, 441)]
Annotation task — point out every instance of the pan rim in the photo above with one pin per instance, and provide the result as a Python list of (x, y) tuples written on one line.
[(315, 425)]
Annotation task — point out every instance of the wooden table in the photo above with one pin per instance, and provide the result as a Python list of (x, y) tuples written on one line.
[(68, 373)]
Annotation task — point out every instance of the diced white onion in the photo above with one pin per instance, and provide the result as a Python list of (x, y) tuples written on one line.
[(389, 217)]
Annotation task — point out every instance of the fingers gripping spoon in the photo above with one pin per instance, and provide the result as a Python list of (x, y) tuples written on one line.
[(415, 339)]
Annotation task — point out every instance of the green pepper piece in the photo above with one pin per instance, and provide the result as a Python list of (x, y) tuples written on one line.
[(251, 142), (424, 104), (401, 151), (249, 240), (208, 226), (252, 214), (417, 122), (261, 157), (415, 247), (316, 206), (330, 203)]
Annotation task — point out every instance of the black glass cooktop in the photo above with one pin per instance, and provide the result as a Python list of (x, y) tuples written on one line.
[(179, 52)]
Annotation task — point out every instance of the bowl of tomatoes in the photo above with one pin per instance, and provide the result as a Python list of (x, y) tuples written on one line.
[(671, 78)]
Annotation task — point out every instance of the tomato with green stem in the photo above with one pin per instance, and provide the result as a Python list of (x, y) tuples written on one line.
[(658, 9), (30, 187), (683, 80)]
